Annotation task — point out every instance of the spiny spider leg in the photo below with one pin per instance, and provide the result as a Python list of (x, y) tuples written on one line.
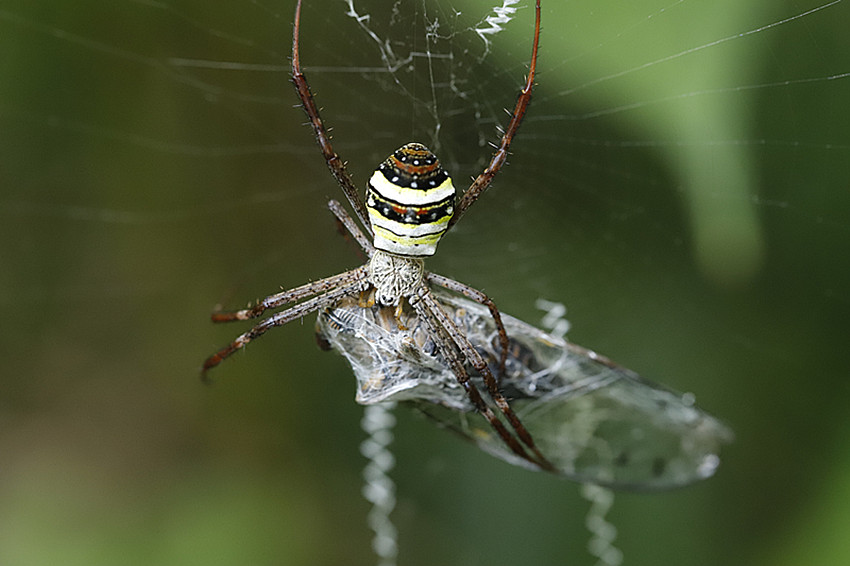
[(481, 298), (279, 319), (291, 295), (451, 352), (432, 308), (480, 184), (351, 226), (335, 163)]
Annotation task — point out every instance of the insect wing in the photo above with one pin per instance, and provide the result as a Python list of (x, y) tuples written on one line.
[(593, 420)]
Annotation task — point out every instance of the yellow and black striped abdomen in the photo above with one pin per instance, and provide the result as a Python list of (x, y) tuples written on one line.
[(410, 199)]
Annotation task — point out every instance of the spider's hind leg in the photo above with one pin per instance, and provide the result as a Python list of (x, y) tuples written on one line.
[(480, 184), (323, 138)]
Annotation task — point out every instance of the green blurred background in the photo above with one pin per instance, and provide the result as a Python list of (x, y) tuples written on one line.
[(683, 186)]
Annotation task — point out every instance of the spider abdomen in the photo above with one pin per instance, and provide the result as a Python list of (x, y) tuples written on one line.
[(410, 199)]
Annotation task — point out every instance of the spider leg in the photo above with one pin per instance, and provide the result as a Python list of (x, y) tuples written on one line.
[(451, 352), (335, 164), (351, 227), (278, 319), (480, 298), (296, 294), (428, 308), (480, 184)]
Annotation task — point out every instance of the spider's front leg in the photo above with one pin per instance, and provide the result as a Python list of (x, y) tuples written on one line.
[(450, 351), (482, 299), (457, 350)]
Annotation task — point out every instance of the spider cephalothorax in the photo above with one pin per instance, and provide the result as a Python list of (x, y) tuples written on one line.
[(394, 277)]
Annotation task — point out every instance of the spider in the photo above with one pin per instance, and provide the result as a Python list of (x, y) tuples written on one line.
[(410, 204)]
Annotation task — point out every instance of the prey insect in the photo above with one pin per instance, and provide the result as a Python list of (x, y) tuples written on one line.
[(410, 204), (594, 421)]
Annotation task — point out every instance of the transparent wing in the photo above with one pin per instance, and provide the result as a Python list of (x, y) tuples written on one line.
[(594, 420)]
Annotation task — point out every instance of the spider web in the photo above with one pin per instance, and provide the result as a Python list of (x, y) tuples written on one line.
[(680, 183)]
